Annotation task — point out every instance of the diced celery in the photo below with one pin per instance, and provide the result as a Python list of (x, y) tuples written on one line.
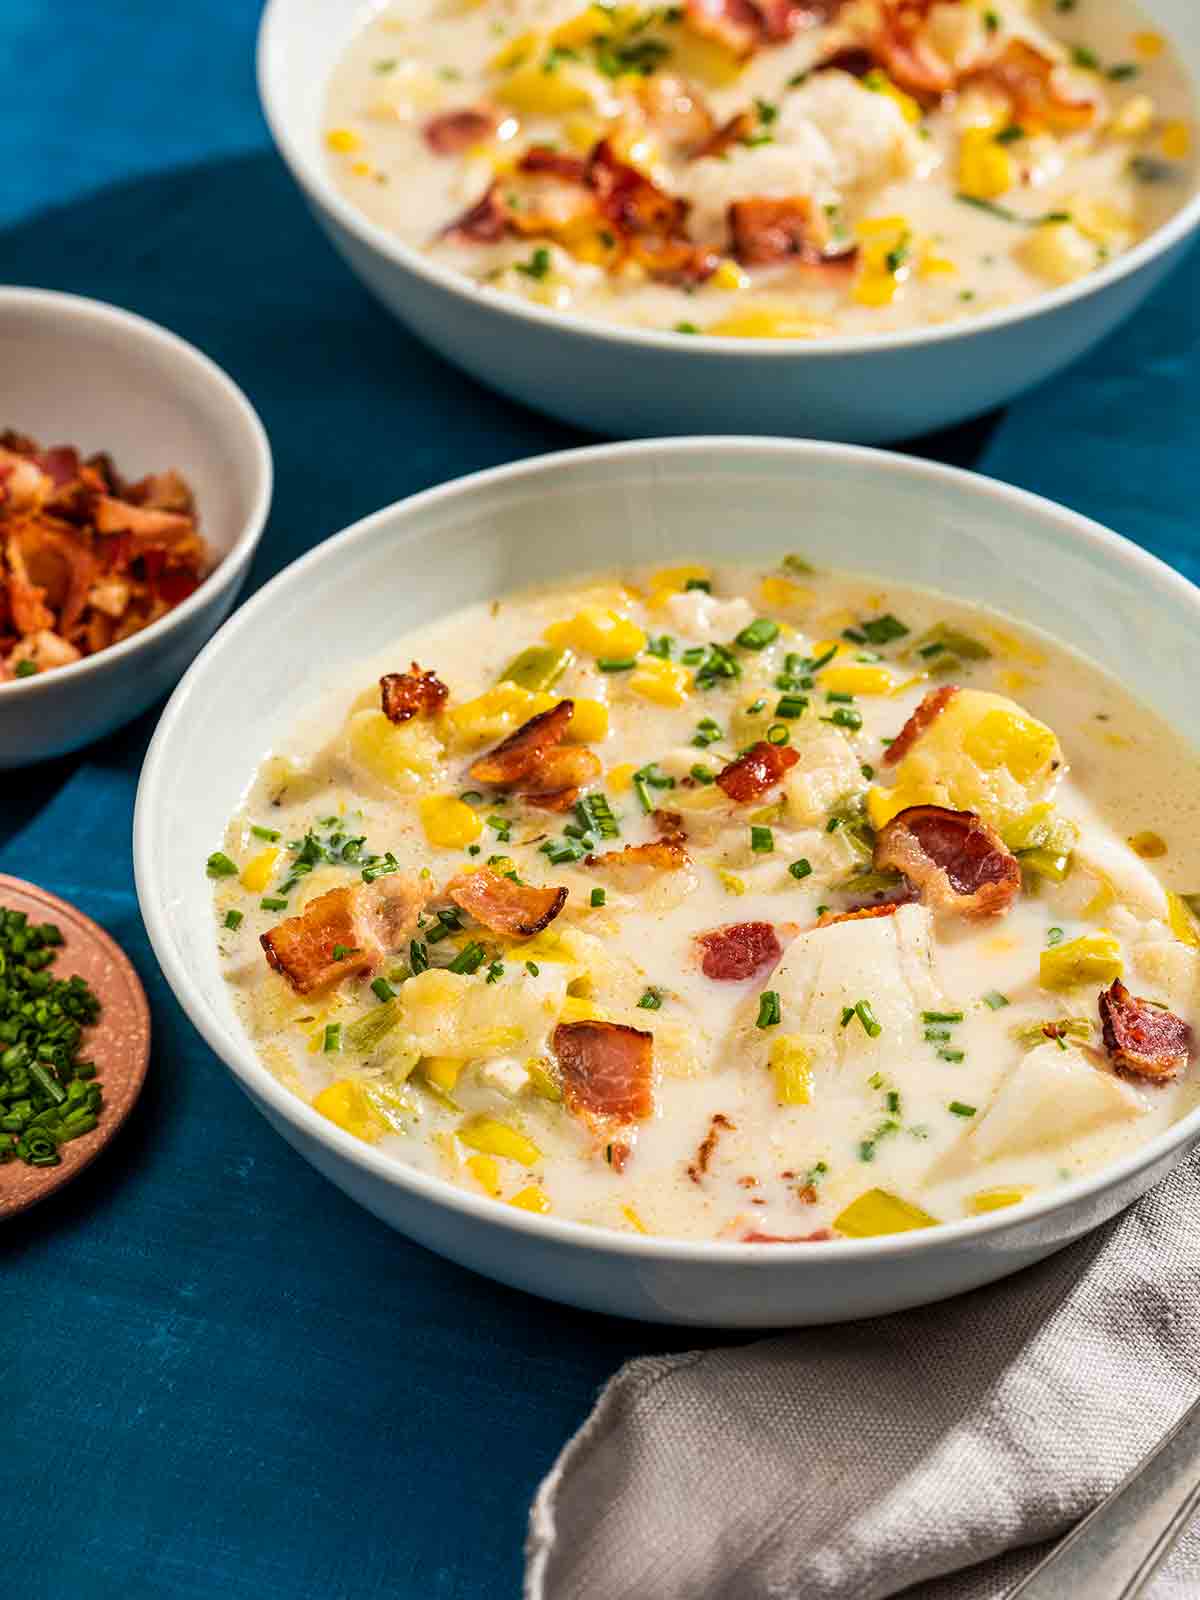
[(953, 642), (538, 668), (542, 1081), (367, 1032)]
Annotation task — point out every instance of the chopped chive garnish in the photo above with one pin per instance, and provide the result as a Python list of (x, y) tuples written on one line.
[(382, 989), (817, 662), (650, 1001), (418, 957), (791, 706), (801, 868), (847, 1019), (273, 902), (617, 663), (469, 959), (762, 841), (833, 824), (1054, 935), (660, 647), (867, 770), (702, 774), (26, 668), (845, 717), (1120, 70), (595, 813), (341, 951), (471, 797), (778, 733), (937, 1035), (960, 1110), (233, 919), (598, 897), (768, 1009), (269, 834), (381, 869), (707, 732), (839, 697), (495, 972), (884, 630), (867, 1017), (502, 827), (941, 1016), (698, 583), (758, 706), (893, 1101), (757, 635), (219, 865), (951, 1055), (333, 1037), (995, 1000), (532, 968)]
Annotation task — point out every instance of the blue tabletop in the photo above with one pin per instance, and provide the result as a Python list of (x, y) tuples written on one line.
[(217, 1375)]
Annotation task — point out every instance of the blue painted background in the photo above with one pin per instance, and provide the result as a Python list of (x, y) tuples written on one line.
[(217, 1376)]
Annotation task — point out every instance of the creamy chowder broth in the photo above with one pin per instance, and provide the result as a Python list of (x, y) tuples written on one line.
[(697, 1042), (772, 169)]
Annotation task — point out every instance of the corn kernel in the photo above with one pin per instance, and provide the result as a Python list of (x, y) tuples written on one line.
[(781, 594), (729, 276), (486, 1174), (730, 882), (1150, 846), (589, 724), (878, 1212), (985, 168), (515, 52), (443, 1072), (530, 90), (361, 169), (1013, 740), (935, 265), (1134, 118), (494, 1138), (984, 1200), (791, 1067), (856, 677), (532, 1199), (1148, 45), (583, 132), (492, 714), (343, 140), (576, 1010), (1058, 252), (884, 255), (1014, 681), (1182, 922), (767, 323), (256, 874), (345, 1103), (397, 754), (1092, 958), (449, 822), (1176, 140), (884, 804), (621, 776), (665, 683), (596, 631), (634, 1220), (588, 24)]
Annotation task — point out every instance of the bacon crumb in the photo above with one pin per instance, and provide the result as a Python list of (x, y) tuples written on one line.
[(544, 158), (719, 1124), (807, 1194), (365, 919), (761, 768), (888, 908), (739, 951), (517, 758), (1143, 1040), (955, 859), (819, 1237), (748, 1182), (669, 826), (452, 132), (607, 1072), (667, 855), (518, 910), (411, 694), (930, 708)]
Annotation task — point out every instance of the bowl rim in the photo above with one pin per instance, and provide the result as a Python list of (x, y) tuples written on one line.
[(82, 309), (1140, 567), (324, 197)]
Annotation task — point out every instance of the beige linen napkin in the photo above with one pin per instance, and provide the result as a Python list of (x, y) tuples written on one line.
[(924, 1449)]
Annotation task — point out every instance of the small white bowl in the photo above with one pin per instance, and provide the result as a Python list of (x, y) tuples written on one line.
[(75, 371), (545, 519), (625, 381)]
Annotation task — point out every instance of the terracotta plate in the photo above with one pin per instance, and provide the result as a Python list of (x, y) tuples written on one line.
[(119, 1043)]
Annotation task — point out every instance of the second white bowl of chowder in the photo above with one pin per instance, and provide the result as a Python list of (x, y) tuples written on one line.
[(698, 913), (692, 183)]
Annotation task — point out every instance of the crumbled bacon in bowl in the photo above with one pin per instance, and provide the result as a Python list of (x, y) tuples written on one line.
[(86, 558)]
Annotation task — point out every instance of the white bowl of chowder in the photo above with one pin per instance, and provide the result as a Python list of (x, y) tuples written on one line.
[(855, 221), (683, 907)]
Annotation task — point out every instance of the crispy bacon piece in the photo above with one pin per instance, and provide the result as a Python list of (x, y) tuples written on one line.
[(667, 855), (559, 769), (765, 232), (761, 768), (607, 1070), (718, 1124), (956, 860), (669, 826), (545, 159), (411, 694), (649, 222), (518, 910), (738, 951), (144, 522), (930, 708), (486, 222), (524, 751), (366, 919), (1035, 91), (163, 491), (850, 59), (736, 130), (1142, 1039), (819, 1237), (906, 54), (676, 110), (888, 908), (59, 566), (452, 132)]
